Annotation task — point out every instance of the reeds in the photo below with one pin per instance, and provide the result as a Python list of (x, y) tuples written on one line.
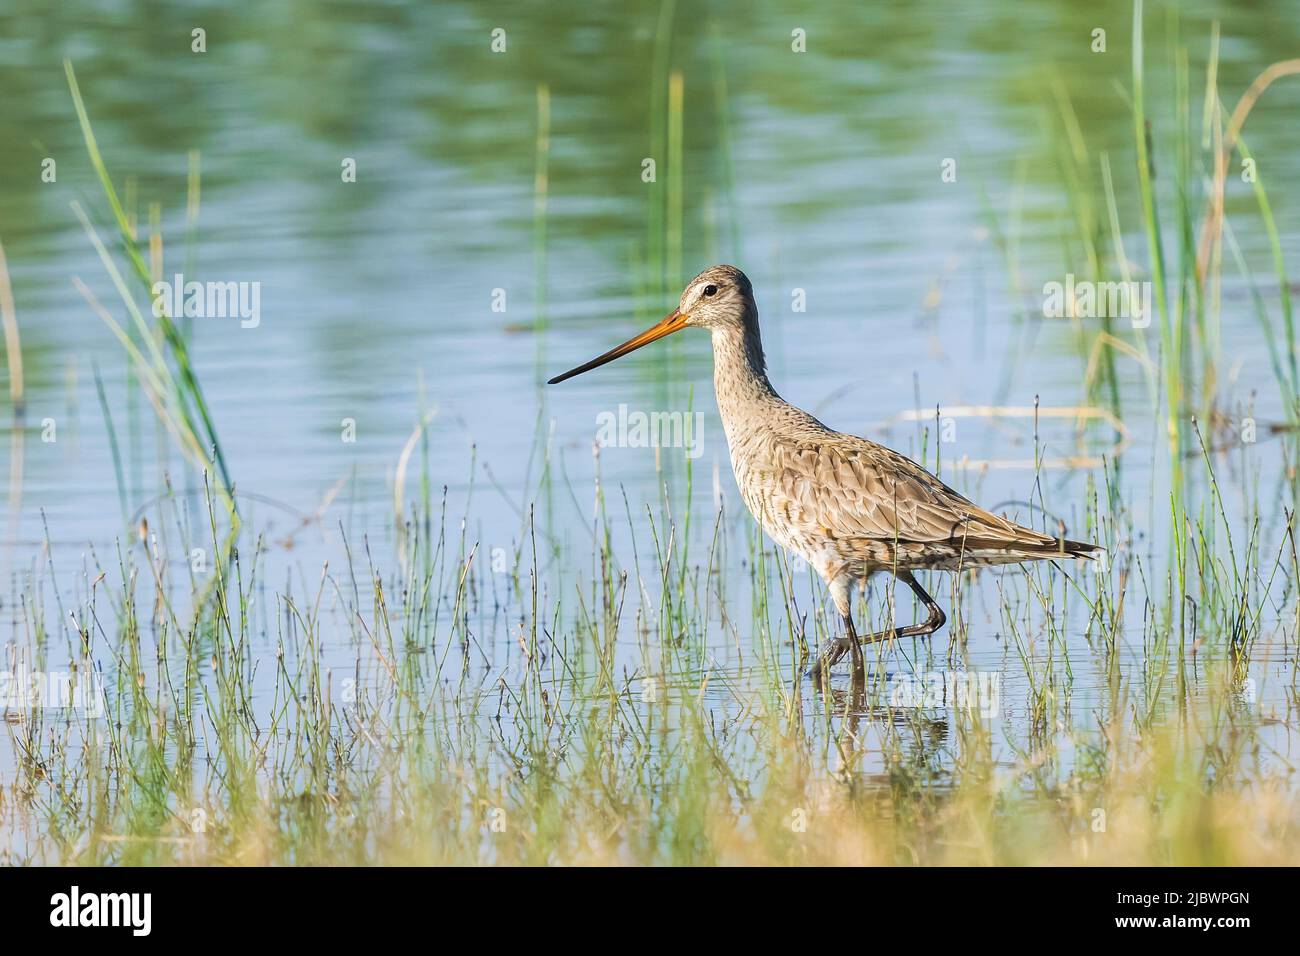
[(446, 740), (13, 344), (168, 377)]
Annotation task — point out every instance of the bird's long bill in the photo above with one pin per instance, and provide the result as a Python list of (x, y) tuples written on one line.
[(666, 326)]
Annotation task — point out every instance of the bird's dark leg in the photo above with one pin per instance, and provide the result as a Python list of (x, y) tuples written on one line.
[(935, 620), (834, 650), (855, 647)]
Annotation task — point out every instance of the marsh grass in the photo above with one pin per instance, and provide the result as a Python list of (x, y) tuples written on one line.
[(490, 720), (169, 379)]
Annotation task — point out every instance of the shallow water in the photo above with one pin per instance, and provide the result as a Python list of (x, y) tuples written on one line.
[(817, 172)]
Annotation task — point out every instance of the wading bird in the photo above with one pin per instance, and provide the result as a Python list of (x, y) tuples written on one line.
[(846, 505)]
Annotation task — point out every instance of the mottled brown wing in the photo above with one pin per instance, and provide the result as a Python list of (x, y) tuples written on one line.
[(854, 488)]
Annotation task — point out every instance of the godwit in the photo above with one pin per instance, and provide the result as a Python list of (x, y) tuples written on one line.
[(846, 505)]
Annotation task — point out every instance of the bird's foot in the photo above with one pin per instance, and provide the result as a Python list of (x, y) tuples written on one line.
[(830, 654)]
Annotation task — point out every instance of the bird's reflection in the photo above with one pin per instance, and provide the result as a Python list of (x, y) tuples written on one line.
[(866, 719)]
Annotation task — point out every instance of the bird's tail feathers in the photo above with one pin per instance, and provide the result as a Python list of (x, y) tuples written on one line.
[(1078, 549)]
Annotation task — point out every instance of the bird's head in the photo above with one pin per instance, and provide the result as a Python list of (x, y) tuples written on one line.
[(720, 297)]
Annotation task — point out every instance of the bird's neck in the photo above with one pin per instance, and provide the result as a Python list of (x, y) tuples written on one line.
[(739, 370)]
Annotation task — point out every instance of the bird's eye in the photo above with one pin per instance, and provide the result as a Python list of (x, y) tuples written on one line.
[(710, 289)]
